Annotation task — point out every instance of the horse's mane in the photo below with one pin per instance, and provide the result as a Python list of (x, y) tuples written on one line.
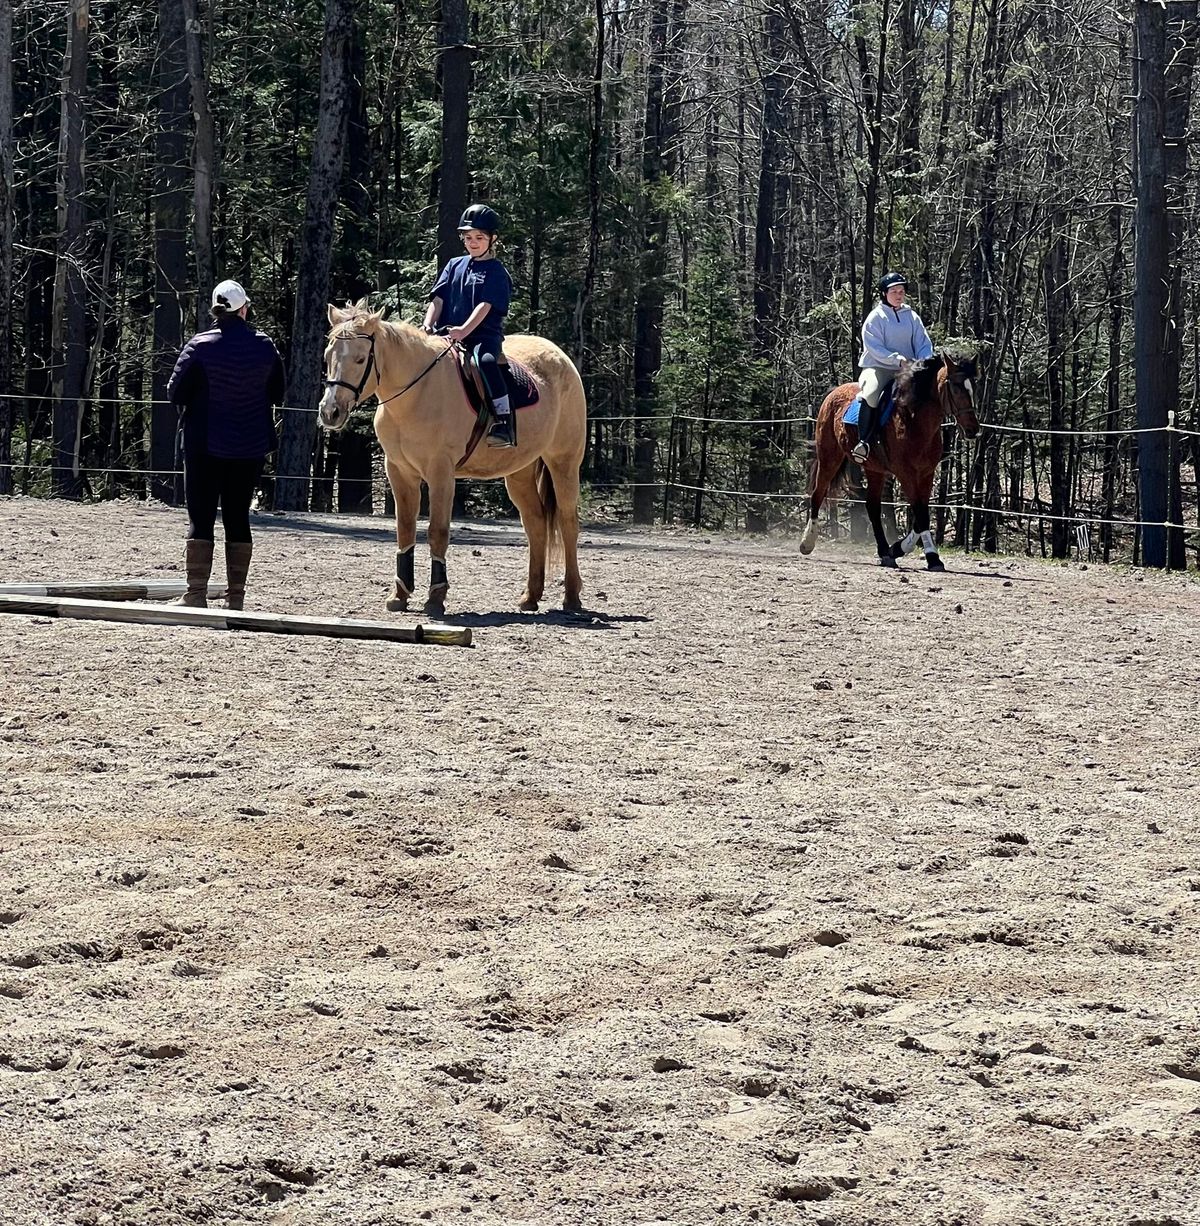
[(917, 383), (364, 319)]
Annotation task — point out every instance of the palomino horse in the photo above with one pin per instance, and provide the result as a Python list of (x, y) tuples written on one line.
[(424, 422), (909, 448)]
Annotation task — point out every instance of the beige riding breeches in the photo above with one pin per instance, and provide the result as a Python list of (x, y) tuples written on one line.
[(873, 383)]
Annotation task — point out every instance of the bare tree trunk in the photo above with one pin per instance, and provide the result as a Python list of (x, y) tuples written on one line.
[(1152, 279), (312, 291), (873, 89), (70, 320), (1181, 34), (1054, 279), (353, 276), (1115, 286), (768, 252), (204, 164), (583, 307), (456, 87), (7, 232), (658, 166), (170, 240)]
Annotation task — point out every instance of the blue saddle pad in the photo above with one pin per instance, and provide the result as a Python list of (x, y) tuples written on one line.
[(887, 409)]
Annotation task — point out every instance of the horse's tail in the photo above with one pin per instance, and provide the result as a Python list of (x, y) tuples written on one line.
[(550, 512), (837, 483)]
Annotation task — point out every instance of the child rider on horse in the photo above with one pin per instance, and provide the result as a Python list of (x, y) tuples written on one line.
[(892, 336), (471, 297)]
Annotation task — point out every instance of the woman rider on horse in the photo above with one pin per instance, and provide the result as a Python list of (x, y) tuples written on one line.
[(472, 297), (892, 336)]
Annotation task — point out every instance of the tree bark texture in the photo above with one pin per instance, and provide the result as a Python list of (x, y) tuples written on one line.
[(768, 269), (312, 292), (170, 242), (1151, 307), (70, 319), (205, 167), (456, 88), (7, 235)]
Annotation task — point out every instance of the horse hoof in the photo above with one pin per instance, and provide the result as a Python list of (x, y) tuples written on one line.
[(886, 559), (528, 605), (573, 606), (433, 609), (394, 605), (933, 562)]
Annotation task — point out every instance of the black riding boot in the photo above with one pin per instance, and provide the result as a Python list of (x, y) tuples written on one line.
[(867, 416)]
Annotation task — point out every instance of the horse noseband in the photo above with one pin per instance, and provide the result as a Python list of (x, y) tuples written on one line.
[(357, 390)]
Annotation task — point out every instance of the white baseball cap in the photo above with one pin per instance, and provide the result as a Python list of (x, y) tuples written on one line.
[(230, 295)]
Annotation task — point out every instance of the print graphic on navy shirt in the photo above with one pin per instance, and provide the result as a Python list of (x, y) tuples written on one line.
[(464, 284)]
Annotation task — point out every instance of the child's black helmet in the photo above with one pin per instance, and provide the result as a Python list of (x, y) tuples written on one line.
[(888, 280), (479, 217)]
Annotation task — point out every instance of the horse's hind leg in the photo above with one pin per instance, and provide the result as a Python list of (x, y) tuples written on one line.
[(825, 470), (874, 501), (523, 490), (562, 515)]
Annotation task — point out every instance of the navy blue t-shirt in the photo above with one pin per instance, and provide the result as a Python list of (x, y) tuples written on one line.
[(464, 284)]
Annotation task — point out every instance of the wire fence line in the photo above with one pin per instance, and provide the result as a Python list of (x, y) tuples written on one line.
[(1020, 513), (1029, 510), (1171, 427)]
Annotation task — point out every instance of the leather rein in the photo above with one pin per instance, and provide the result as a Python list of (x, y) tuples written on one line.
[(372, 364)]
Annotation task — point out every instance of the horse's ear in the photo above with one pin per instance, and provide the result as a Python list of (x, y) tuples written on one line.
[(336, 316), (361, 304)]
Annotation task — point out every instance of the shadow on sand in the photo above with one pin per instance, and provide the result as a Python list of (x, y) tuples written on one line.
[(587, 619)]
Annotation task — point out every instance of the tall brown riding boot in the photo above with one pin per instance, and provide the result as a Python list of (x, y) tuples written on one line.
[(198, 557), (237, 567)]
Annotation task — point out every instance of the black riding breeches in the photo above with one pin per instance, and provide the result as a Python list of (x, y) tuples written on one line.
[(487, 358), (207, 481)]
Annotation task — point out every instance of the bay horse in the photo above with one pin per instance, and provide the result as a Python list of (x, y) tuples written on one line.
[(423, 423), (909, 448)]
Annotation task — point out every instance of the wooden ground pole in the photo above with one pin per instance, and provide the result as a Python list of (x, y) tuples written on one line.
[(116, 589), (226, 619)]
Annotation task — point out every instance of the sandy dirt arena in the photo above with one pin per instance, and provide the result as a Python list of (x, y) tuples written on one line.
[(776, 889)]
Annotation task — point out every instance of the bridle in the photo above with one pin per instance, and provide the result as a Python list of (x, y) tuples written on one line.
[(372, 364), (950, 391)]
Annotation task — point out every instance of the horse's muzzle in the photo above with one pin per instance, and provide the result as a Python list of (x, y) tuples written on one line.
[(333, 415)]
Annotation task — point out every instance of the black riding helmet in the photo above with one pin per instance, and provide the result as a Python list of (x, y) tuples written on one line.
[(888, 280), (479, 217)]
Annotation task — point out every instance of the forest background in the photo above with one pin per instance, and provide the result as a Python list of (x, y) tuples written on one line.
[(698, 196)]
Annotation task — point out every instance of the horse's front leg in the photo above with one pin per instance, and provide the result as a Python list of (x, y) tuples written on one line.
[(874, 500), (919, 520), (406, 490), (920, 528), (441, 504)]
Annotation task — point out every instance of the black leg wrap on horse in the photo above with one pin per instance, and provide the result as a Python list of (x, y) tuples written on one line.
[(405, 578), (437, 573)]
